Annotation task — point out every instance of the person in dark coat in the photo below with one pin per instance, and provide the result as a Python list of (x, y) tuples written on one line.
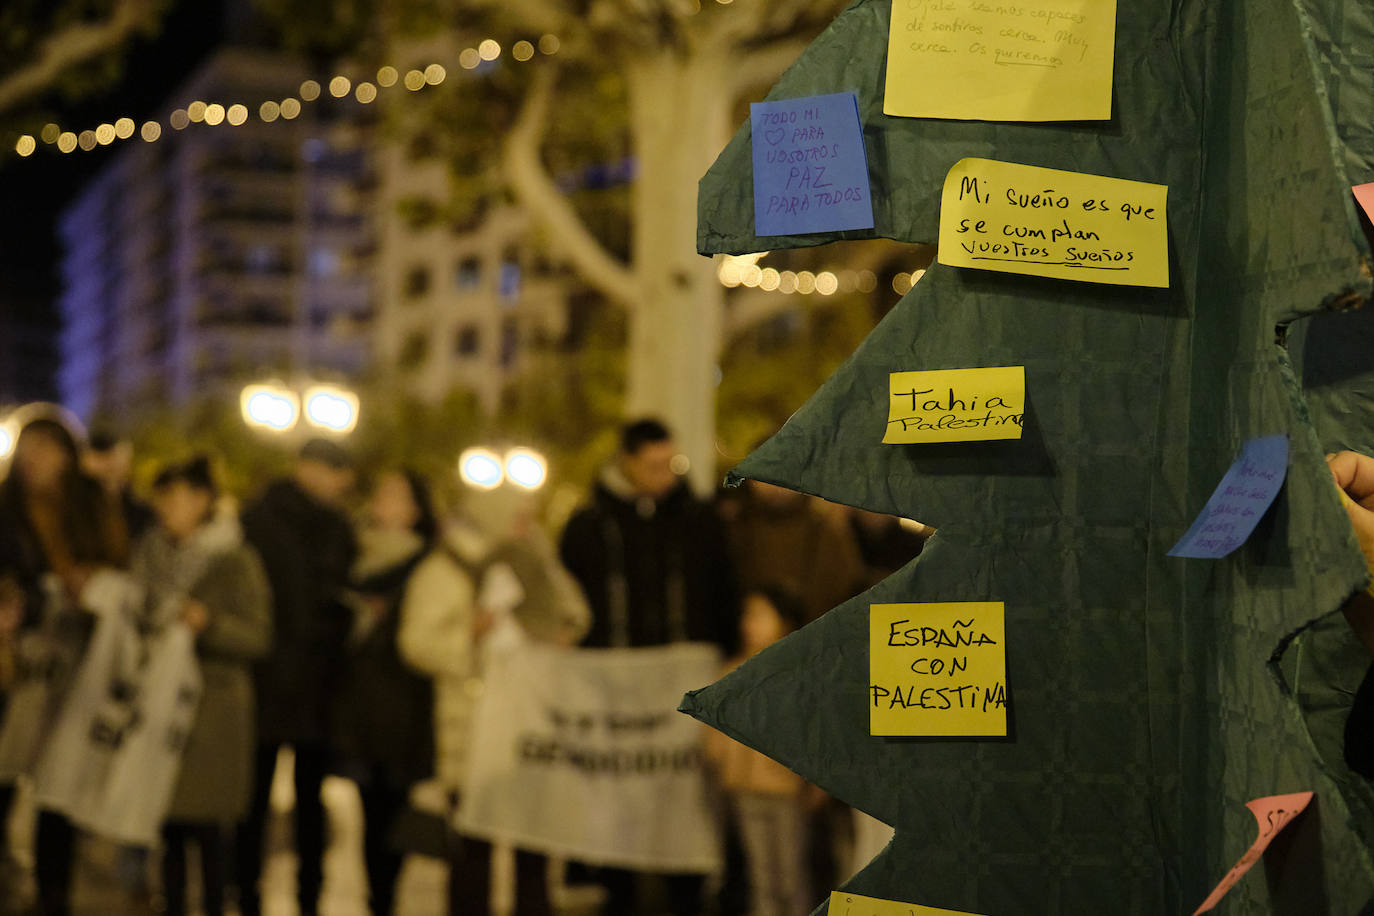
[(195, 567), (780, 536), (383, 711), (652, 561), (649, 555), (307, 547), (109, 460)]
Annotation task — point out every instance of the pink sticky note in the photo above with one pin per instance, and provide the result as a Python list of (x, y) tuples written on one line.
[(1364, 193), (1272, 814)]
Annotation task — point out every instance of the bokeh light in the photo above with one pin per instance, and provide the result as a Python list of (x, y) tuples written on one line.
[(414, 80), (214, 114), (468, 59), (151, 131), (549, 44), (526, 468), (66, 141), (522, 51), (365, 93), (196, 112), (489, 49), (435, 74), (105, 134), (269, 111), (50, 133), (331, 408), (290, 108), (25, 145), (269, 407), (480, 468), (387, 76), (179, 119), (124, 128), (310, 90), (338, 87)]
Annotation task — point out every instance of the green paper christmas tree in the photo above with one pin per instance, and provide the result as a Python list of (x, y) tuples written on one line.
[(1149, 697)]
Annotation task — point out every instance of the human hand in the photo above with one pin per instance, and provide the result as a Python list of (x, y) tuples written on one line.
[(1354, 476), (195, 615)]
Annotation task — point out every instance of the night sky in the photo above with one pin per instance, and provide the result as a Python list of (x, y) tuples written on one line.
[(35, 190)]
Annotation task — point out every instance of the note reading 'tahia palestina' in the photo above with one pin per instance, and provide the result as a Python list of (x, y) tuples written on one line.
[(810, 168), (842, 904), (955, 405), (937, 669), (1023, 219), (990, 60)]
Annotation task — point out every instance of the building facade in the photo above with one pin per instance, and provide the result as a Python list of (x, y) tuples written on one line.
[(286, 249)]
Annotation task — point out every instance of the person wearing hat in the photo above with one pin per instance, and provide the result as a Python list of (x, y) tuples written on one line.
[(307, 546)]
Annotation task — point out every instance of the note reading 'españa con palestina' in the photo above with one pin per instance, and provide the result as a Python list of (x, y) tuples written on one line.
[(990, 60), (842, 904), (937, 669), (955, 405), (1023, 219)]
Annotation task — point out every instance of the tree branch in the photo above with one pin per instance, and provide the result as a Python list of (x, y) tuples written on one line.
[(73, 45), (764, 65), (547, 206)]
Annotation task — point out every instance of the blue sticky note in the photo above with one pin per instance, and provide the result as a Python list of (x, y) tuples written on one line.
[(810, 168), (1240, 500)]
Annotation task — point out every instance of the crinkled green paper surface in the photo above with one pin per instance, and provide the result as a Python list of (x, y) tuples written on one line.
[(1150, 697)]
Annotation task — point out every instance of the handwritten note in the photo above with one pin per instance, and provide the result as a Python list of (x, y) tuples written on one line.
[(842, 904), (810, 168), (1238, 502), (1049, 223), (937, 669), (1272, 814), (1364, 195), (955, 405), (989, 60)]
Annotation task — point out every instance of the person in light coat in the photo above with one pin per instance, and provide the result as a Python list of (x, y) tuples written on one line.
[(444, 620), (194, 565)]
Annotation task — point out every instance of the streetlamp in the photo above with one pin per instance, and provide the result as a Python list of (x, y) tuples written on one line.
[(526, 468), (270, 407), (331, 408), (483, 469), (480, 468)]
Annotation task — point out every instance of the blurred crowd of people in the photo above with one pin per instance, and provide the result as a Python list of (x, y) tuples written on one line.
[(351, 628)]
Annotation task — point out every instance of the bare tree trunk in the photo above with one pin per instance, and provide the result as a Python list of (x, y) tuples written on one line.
[(679, 116)]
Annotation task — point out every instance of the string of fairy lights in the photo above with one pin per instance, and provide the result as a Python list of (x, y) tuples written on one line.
[(744, 270), (214, 114)]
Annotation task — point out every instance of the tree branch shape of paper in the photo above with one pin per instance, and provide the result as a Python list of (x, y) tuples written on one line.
[(985, 60), (1049, 223), (1272, 814), (937, 669), (1238, 502), (842, 904), (956, 405), (810, 168)]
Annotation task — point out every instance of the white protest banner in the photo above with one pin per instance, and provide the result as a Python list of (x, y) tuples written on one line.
[(581, 753)]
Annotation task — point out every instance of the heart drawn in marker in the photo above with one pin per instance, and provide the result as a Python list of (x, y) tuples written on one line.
[(774, 136)]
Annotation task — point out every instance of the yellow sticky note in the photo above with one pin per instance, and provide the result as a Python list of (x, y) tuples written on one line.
[(990, 60), (842, 904), (1023, 219), (955, 405), (937, 669)]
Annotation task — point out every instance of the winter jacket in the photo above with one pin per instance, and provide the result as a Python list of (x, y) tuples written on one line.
[(795, 546), (440, 611), (216, 778), (307, 550), (654, 572), (383, 711)]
